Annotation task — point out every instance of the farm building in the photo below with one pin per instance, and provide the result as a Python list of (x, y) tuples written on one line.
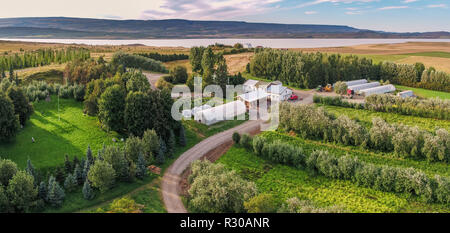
[(359, 87), (220, 113), (254, 85), (252, 99), (354, 82), (277, 92), (405, 94), (377, 90), (200, 108)]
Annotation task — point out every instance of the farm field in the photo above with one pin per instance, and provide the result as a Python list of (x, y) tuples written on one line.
[(366, 116), (424, 93), (285, 182), (382, 158), (69, 132)]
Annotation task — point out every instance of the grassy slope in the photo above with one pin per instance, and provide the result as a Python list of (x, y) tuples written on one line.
[(285, 182), (55, 137), (430, 54), (365, 116)]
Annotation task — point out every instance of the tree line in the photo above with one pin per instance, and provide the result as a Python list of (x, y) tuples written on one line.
[(41, 57), (406, 141), (164, 57), (382, 177), (433, 108), (308, 70)]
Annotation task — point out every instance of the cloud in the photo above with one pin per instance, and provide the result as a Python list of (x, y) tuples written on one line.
[(310, 12), (392, 7), (409, 1), (332, 1), (208, 9), (353, 12), (437, 6)]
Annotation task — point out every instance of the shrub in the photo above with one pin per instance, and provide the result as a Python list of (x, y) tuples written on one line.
[(408, 141), (111, 108), (102, 175), (381, 135), (262, 203), (340, 88), (21, 192), (246, 141), (133, 148), (236, 137), (88, 193), (9, 121), (437, 148)]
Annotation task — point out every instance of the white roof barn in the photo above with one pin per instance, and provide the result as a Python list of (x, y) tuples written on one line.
[(253, 96), (377, 90), (363, 86), (354, 82), (220, 113)]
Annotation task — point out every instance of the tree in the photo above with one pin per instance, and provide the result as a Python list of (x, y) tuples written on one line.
[(42, 191), (160, 158), (182, 136), (171, 144), (208, 61), (214, 189), (221, 73), (137, 112), (7, 170), (125, 205), (22, 107), (88, 193), (236, 137), (9, 122), (151, 144), (68, 164), (111, 108), (195, 57), (115, 156), (4, 202), (179, 74), (70, 183), (21, 191), (78, 173), (340, 88), (134, 146), (141, 169), (137, 81), (55, 195), (102, 175), (30, 170), (262, 203)]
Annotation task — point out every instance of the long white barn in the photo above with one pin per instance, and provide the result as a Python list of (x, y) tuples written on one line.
[(378, 90), (220, 113)]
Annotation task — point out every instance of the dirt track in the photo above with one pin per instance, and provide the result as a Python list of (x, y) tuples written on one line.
[(170, 187), (153, 78)]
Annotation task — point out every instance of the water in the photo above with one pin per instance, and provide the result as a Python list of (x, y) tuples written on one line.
[(273, 43)]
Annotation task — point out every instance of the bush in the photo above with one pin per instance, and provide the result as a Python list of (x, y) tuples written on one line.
[(7, 170), (340, 88), (246, 141), (9, 122), (437, 148), (262, 203), (22, 107), (102, 175), (138, 62), (236, 137), (21, 192)]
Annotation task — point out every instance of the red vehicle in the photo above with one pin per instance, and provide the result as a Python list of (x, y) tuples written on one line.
[(293, 97)]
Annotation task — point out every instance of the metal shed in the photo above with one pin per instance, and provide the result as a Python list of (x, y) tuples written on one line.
[(359, 87), (377, 90), (356, 82), (220, 113)]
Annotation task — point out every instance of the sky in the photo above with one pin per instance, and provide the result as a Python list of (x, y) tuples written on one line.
[(385, 15)]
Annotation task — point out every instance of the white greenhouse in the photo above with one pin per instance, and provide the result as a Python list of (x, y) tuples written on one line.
[(354, 82), (378, 90), (220, 113), (200, 108), (405, 94), (363, 86)]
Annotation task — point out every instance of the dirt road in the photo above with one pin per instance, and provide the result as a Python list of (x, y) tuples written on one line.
[(153, 78), (170, 187)]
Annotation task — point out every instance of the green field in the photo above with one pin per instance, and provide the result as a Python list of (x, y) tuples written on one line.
[(56, 133), (430, 54), (285, 182), (381, 158), (365, 116), (424, 93)]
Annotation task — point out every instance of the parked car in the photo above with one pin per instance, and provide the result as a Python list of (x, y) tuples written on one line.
[(293, 97)]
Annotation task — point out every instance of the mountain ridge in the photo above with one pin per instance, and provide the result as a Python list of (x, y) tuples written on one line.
[(91, 28)]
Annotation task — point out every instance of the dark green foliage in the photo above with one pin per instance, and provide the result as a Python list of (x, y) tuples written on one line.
[(164, 57), (21, 192), (42, 191), (178, 74), (70, 183), (55, 193), (160, 158), (9, 121), (7, 170), (141, 167), (78, 173), (182, 136), (136, 81), (137, 112), (246, 141), (134, 146), (88, 193), (82, 72), (136, 61), (22, 107), (151, 145), (111, 108), (102, 175), (60, 174), (30, 170), (170, 144), (195, 57), (236, 137), (68, 164)]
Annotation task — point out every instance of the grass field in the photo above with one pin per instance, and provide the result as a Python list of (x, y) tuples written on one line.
[(56, 134), (424, 93), (366, 116), (285, 182), (430, 54)]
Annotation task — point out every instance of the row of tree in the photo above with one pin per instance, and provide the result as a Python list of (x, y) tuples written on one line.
[(433, 108), (405, 141), (165, 57), (41, 57), (308, 70), (385, 178)]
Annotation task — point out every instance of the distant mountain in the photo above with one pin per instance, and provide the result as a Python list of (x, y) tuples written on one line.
[(61, 27)]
